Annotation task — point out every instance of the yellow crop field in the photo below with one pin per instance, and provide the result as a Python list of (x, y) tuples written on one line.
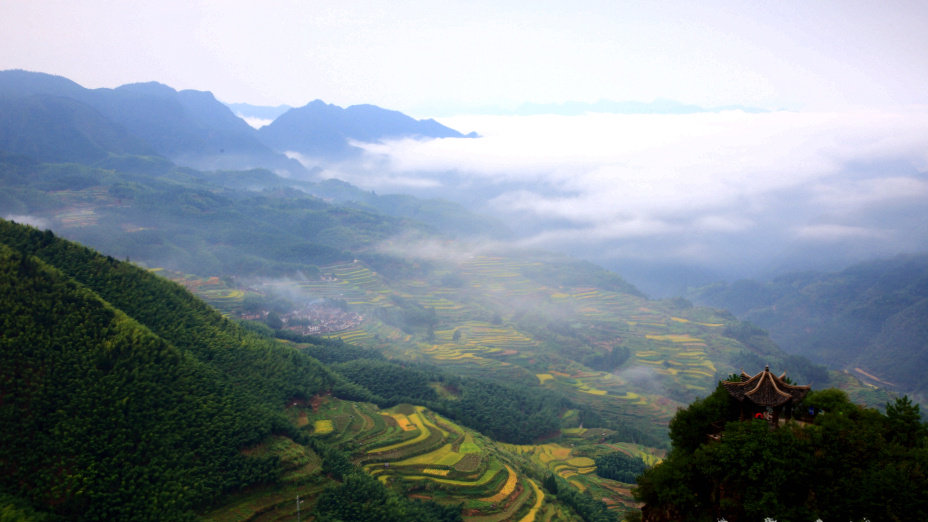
[(675, 338), (323, 427), (507, 488), (438, 472), (581, 462), (423, 434), (691, 354), (433, 457), (551, 452), (544, 377), (402, 421), (491, 471), (539, 499), (700, 372)]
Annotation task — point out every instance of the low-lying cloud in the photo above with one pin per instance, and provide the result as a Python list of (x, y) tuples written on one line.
[(720, 190), (35, 221)]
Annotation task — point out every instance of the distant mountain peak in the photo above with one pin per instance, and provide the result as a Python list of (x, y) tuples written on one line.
[(148, 88), (324, 130)]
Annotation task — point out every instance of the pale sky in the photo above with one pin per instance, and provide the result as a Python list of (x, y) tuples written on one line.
[(438, 57)]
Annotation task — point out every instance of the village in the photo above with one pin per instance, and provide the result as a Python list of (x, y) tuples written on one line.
[(317, 318)]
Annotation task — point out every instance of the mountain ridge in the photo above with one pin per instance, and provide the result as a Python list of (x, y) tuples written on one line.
[(867, 318), (189, 127)]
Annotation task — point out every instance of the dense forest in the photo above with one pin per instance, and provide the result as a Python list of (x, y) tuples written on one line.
[(850, 463)]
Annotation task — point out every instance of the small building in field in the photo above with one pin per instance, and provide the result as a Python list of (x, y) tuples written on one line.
[(766, 396)]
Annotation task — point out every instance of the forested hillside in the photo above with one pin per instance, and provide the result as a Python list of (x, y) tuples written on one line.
[(123, 393), (869, 318)]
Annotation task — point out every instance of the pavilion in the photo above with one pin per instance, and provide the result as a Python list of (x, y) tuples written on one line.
[(765, 396)]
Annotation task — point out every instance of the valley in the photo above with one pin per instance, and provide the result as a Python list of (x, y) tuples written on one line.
[(227, 337)]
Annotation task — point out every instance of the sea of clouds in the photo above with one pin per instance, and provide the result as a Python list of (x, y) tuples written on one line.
[(734, 193)]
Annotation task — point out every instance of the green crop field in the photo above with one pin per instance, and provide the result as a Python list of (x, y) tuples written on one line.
[(445, 462)]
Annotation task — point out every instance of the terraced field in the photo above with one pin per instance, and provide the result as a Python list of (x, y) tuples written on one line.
[(428, 456), (215, 291)]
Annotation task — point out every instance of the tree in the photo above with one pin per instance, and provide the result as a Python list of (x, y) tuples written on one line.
[(904, 422), (274, 321)]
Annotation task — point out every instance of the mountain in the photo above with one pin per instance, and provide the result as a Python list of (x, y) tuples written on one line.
[(869, 318), (59, 129), (189, 127), (321, 130), (56, 119)]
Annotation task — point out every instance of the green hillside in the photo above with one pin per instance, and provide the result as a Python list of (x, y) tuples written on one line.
[(103, 417)]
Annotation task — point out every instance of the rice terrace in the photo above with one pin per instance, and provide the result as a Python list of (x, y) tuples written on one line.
[(491, 314)]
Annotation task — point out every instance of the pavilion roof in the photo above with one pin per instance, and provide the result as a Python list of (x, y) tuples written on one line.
[(765, 389)]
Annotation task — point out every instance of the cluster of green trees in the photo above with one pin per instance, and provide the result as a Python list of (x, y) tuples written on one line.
[(583, 503), (852, 463), (409, 316), (619, 466), (607, 361), (506, 413)]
